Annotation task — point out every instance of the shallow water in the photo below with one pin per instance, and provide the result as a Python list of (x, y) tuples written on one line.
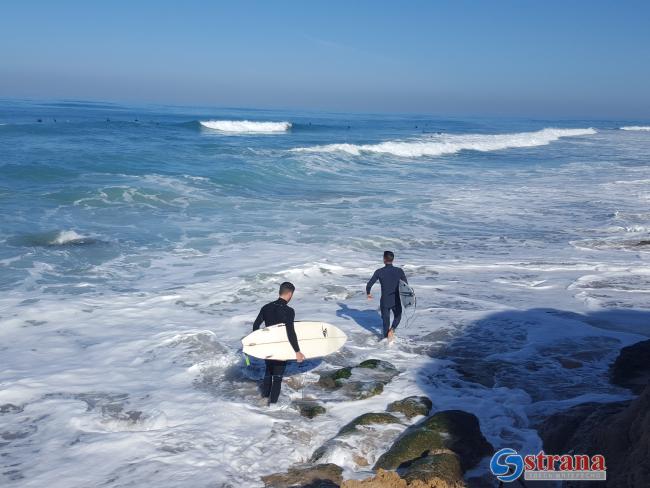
[(138, 244)]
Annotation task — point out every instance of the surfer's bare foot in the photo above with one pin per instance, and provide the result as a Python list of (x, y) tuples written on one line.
[(390, 336)]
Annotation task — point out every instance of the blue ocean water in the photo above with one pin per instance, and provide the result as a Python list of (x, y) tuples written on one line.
[(133, 180), (138, 242)]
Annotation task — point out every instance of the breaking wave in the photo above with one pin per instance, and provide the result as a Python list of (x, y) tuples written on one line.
[(246, 126), (636, 127), (69, 237), (438, 145)]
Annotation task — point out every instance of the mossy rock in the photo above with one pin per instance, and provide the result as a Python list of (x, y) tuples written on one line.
[(309, 409), (321, 476), (453, 430), (377, 364), (441, 465), (369, 419), (333, 379), (411, 406)]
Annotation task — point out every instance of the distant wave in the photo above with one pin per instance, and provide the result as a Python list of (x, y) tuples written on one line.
[(452, 143), (636, 127), (246, 126)]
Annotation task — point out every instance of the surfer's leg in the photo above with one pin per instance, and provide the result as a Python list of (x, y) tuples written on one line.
[(397, 315), (268, 379), (278, 371), (385, 318)]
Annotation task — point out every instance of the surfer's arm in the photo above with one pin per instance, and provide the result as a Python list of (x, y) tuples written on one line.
[(372, 281), (403, 276), (258, 321), (291, 331)]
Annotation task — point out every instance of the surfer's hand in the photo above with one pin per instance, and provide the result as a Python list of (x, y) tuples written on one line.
[(300, 357), (369, 296)]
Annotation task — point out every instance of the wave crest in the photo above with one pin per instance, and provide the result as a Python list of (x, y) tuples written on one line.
[(439, 145), (246, 126), (69, 237), (636, 127)]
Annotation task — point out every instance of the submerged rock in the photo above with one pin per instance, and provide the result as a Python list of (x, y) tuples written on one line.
[(631, 368), (450, 430), (361, 440), (411, 406), (318, 476), (309, 408), (369, 419), (365, 380)]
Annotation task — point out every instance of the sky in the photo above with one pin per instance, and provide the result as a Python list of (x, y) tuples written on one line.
[(570, 58)]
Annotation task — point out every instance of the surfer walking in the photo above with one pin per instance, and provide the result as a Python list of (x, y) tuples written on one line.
[(389, 277), (278, 312)]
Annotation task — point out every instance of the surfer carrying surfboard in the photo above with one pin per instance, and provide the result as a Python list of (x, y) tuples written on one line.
[(389, 277), (278, 312)]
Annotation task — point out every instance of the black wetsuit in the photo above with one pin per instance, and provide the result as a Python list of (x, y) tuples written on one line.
[(389, 277), (277, 312)]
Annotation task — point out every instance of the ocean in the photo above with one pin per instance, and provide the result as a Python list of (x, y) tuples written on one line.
[(137, 244)]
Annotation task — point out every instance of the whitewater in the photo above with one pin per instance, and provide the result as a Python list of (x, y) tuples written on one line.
[(134, 256)]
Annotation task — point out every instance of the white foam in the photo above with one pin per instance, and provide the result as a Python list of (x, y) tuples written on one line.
[(636, 127), (67, 237), (438, 145), (246, 126)]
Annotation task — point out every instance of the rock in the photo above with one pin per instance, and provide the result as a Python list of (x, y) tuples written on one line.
[(333, 379), (369, 419), (390, 479), (444, 465), (411, 406), (619, 431), (309, 408), (359, 382), (318, 476), (360, 444), (453, 430), (377, 364), (631, 368)]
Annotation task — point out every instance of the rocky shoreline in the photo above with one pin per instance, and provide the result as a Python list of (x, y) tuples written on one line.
[(437, 449)]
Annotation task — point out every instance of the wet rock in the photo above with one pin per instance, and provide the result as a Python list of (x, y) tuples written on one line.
[(631, 368), (444, 465), (365, 380), (361, 439), (369, 419), (452, 430), (318, 476), (377, 364), (411, 406), (309, 409), (619, 431), (334, 379), (390, 479)]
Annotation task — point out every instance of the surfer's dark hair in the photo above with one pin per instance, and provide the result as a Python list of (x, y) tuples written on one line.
[(285, 287), (389, 256)]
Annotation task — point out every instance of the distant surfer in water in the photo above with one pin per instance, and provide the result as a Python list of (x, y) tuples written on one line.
[(278, 312), (389, 277)]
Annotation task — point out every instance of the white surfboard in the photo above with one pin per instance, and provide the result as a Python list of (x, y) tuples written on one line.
[(316, 339), (406, 294)]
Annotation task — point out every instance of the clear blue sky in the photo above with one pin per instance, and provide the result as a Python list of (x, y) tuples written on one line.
[(502, 57)]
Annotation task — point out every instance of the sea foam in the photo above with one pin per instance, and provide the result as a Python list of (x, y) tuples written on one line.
[(636, 127), (67, 237), (246, 126), (438, 145)]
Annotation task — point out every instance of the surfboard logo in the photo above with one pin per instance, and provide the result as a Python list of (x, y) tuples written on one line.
[(324, 331)]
